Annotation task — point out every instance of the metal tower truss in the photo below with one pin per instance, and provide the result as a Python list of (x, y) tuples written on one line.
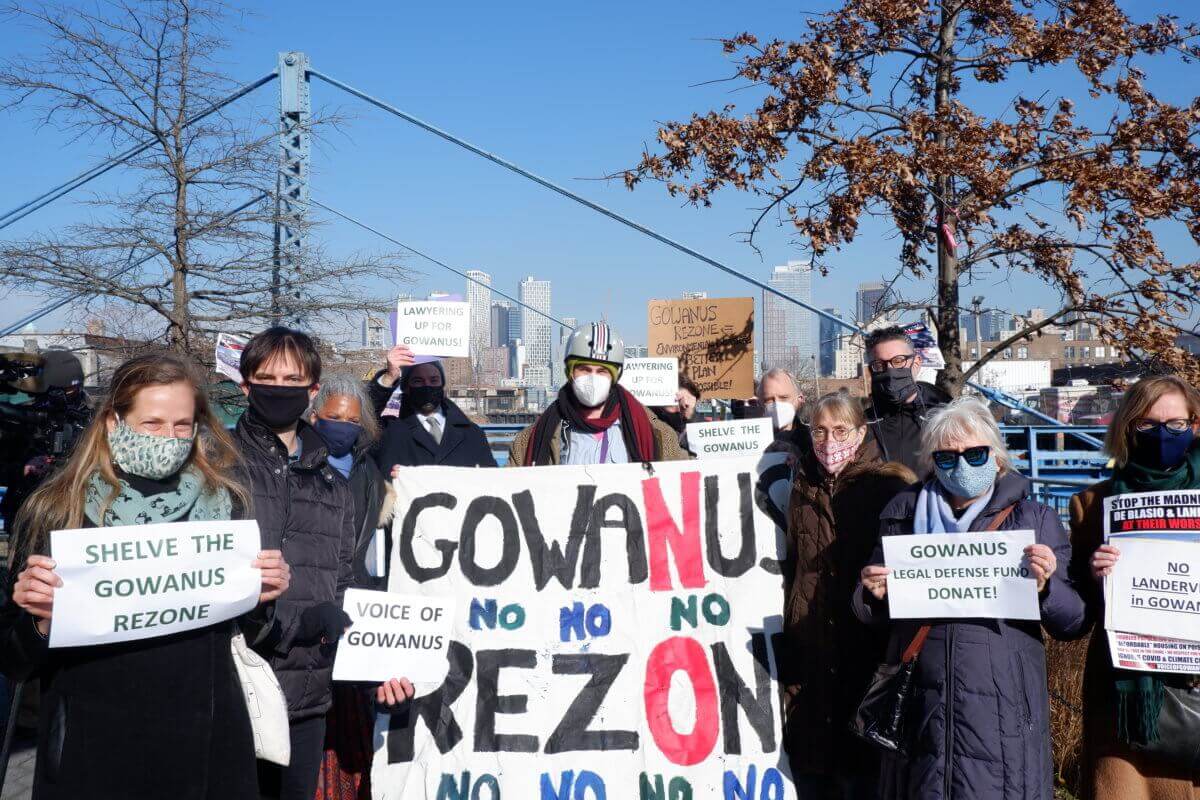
[(291, 184)]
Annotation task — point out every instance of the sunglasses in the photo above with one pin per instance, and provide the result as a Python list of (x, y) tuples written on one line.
[(974, 456)]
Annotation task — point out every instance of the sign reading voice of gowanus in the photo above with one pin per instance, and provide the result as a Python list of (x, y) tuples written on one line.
[(615, 637)]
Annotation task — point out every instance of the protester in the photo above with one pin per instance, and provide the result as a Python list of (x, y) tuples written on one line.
[(899, 402), (431, 429), (838, 492), (1152, 439), (382, 385), (157, 717), (979, 722), (781, 400), (679, 415), (595, 420), (304, 506)]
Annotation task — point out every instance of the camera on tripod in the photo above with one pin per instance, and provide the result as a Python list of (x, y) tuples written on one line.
[(56, 411)]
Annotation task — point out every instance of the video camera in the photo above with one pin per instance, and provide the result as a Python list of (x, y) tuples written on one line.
[(57, 411)]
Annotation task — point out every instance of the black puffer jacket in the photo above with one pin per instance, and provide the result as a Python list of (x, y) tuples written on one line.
[(897, 429), (305, 509)]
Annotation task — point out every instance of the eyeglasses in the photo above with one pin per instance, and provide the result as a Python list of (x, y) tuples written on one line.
[(840, 434), (879, 365), (974, 456), (1176, 426)]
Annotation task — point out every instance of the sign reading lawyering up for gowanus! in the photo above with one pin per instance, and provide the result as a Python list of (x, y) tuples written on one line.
[(616, 634), (713, 340), (434, 328)]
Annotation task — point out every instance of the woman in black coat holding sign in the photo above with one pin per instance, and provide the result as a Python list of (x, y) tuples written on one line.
[(157, 717)]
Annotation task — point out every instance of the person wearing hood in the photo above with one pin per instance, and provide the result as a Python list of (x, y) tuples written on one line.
[(899, 402), (781, 400), (594, 420), (679, 415), (1130, 746), (978, 724), (303, 506)]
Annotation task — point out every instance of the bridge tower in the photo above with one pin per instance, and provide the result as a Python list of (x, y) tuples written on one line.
[(291, 184)]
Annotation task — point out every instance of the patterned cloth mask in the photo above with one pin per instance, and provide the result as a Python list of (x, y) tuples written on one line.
[(146, 455), (835, 455), (966, 481)]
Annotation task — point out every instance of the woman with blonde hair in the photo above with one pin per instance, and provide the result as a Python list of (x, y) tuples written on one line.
[(839, 488), (1152, 440), (157, 717)]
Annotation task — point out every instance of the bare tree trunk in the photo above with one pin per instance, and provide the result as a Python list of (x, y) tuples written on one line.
[(950, 379)]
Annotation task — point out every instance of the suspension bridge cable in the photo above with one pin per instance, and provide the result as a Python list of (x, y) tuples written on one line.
[(430, 258), (44, 199), (57, 304)]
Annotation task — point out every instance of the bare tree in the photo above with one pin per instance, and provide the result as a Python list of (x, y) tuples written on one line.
[(135, 72), (886, 108)]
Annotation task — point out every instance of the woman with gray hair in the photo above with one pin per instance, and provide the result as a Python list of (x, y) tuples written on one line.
[(979, 722)]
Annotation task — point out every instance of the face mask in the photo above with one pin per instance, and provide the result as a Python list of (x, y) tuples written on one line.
[(278, 406), (147, 456), (781, 414), (592, 389), (834, 455), (892, 386), (340, 436), (963, 480), (1161, 449), (426, 399)]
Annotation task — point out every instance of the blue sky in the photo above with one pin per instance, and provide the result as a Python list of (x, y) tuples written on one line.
[(570, 91)]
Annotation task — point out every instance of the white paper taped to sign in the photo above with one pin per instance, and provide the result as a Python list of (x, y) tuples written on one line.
[(141, 581), (974, 575), (1153, 653), (1154, 589), (434, 328), (394, 636), (740, 437), (653, 381)]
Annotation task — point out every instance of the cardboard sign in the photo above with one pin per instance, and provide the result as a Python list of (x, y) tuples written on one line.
[(950, 575), (713, 341), (141, 581), (228, 356), (434, 328), (1154, 589), (615, 632), (739, 437), (653, 381), (394, 636)]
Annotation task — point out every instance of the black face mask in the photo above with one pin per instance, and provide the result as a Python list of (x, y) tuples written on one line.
[(673, 418), (893, 386), (280, 407), (426, 399)]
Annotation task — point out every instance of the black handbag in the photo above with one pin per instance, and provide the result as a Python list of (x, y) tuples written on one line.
[(1178, 742), (881, 715)]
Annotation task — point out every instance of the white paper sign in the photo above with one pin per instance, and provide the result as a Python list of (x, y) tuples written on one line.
[(434, 328), (394, 636), (976, 575), (228, 357), (653, 381), (141, 581), (739, 437), (1154, 589), (1153, 653)]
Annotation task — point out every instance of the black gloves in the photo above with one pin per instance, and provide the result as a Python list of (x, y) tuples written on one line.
[(324, 623)]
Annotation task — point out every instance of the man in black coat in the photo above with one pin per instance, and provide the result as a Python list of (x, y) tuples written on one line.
[(899, 402), (304, 507)]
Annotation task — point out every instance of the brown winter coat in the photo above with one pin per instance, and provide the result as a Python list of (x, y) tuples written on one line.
[(1110, 770), (829, 656)]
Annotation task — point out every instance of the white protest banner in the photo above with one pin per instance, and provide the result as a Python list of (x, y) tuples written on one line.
[(394, 636), (1153, 653), (976, 575), (1154, 589), (434, 327), (733, 439), (615, 636), (228, 358), (140, 581), (653, 381)]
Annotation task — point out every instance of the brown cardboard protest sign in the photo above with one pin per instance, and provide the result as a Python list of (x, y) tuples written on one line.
[(713, 340)]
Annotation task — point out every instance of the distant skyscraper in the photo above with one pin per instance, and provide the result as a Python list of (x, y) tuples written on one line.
[(480, 298), (787, 327), (870, 302), (375, 333), (501, 324), (828, 336), (564, 333), (535, 330)]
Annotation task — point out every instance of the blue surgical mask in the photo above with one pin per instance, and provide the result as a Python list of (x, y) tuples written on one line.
[(339, 436), (963, 480), (1160, 448)]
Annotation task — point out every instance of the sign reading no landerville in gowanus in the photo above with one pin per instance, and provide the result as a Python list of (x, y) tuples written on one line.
[(434, 328), (713, 340), (616, 634), (140, 581)]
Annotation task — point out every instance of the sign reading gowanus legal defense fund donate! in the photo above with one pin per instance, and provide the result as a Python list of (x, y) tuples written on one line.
[(140, 581), (434, 328), (974, 575), (616, 634)]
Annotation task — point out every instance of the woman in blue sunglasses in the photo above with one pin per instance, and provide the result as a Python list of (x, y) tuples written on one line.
[(979, 722)]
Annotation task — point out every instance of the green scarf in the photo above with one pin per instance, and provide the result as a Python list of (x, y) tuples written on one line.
[(131, 507), (1140, 694)]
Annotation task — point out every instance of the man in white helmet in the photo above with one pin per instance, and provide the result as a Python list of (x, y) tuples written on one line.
[(594, 420)]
